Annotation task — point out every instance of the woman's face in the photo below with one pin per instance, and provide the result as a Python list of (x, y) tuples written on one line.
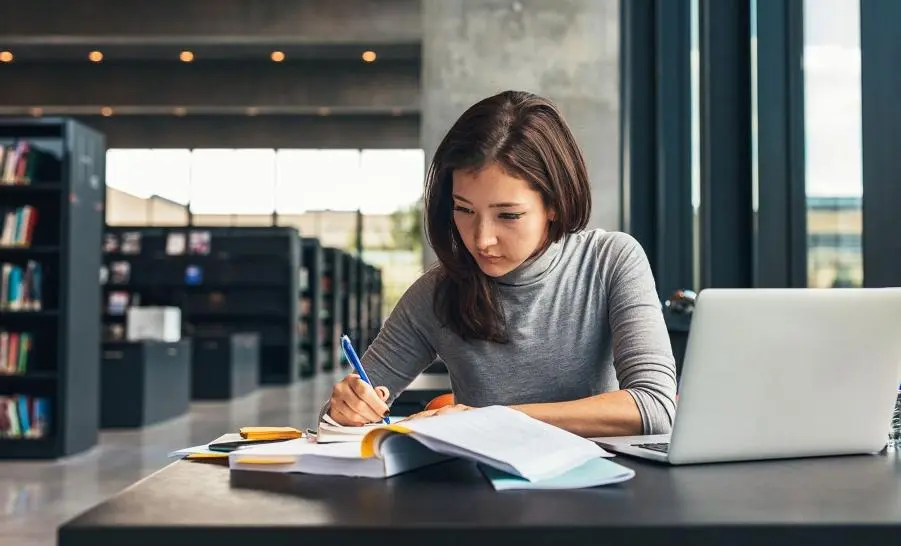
[(501, 219)]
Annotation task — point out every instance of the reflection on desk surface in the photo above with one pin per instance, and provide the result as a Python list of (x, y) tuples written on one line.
[(816, 492)]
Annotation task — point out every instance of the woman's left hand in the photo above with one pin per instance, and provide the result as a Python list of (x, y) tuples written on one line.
[(446, 409)]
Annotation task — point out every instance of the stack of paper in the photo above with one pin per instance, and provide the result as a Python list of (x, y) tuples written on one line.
[(593, 473), (204, 450)]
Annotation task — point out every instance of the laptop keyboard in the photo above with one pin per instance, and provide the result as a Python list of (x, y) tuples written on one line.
[(661, 447)]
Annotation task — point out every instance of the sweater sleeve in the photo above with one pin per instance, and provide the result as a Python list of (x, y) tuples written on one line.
[(403, 347), (642, 353)]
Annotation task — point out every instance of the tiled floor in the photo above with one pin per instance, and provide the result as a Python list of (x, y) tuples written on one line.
[(36, 497)]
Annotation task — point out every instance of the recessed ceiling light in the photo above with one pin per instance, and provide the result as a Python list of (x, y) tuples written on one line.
[(95, 56), (180, 111), (106, 111), (6, 57), (186, 56), (369, 56), (277, 56)]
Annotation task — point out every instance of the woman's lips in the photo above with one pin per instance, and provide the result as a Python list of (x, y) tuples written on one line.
[(489, 257)]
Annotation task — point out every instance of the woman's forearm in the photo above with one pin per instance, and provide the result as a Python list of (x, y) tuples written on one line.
[(609, 414)]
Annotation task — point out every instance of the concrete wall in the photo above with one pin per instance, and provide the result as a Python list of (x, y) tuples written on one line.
[(566, 50), (242, 131), (306, 21)]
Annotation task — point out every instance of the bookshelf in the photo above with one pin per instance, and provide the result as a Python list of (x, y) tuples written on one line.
[(349, 302), (361, 309), (373, 302), (52, 191), (311, 331), (331, 297), (225, 280)]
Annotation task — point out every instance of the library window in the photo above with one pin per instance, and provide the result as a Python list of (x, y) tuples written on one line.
[(832, 103), (263, 181), (316, 191)]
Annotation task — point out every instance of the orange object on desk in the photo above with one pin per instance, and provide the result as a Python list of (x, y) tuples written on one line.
[(440, 401)]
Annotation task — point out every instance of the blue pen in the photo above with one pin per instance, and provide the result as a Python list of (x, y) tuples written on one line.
[(358, 366)]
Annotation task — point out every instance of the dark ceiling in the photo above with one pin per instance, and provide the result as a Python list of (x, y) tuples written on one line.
[(323, 84)]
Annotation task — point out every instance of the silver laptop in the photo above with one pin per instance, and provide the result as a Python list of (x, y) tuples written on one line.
[(780, 373)]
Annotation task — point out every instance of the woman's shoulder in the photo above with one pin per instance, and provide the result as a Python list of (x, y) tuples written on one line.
[(417, 300), (606, 246)]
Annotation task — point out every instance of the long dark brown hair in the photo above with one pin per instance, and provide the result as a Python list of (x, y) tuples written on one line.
[(526, 136)]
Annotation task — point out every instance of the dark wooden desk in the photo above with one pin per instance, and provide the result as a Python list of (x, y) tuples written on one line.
[(848, 500)]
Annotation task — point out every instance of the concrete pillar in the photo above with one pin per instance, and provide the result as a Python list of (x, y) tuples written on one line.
[(566, 50)]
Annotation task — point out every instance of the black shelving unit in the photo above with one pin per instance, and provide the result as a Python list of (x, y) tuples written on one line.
[(144, 383), (54, 194), (362, 309), (373, 302), (311, 333), (331, 317), (225, 280), (350, 303)]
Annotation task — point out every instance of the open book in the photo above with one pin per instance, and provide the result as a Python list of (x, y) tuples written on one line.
[(496, 436)]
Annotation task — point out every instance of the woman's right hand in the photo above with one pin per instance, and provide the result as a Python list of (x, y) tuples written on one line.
[(355, 403)]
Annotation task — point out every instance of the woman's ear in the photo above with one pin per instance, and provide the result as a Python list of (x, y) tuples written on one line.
[(551, 215)]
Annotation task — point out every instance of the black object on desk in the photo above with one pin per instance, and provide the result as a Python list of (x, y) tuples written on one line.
[(839, 500)]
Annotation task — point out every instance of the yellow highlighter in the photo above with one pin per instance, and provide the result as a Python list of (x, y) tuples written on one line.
[(270, 433)]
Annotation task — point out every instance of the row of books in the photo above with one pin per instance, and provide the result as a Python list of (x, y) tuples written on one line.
[(178, 243), (15, 348), (20, 288), (119, 272), (20, 163), (17, 225), (24, 416)]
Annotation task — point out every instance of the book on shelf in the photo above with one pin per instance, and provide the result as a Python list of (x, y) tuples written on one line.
[(20, 288), (15, 348), (22, 163), (23, 416), (118, 301), (17, 225)]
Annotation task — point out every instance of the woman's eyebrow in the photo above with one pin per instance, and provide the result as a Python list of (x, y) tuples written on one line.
[(493, 205)]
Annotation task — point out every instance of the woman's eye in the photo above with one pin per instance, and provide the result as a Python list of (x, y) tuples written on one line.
[(458, 208), (511, 215)]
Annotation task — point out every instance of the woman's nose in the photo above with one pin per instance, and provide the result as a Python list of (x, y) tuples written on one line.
[(485, 236)]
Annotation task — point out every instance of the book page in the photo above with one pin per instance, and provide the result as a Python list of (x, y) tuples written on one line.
[(507, 439), (329, 428), (299, 447)]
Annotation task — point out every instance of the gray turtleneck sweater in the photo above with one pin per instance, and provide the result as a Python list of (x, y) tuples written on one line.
[(583, 319)]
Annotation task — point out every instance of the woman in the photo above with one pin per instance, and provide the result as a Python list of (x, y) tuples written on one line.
[(525, 307)]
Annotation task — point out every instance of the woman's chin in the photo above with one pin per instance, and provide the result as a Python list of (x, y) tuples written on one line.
[(495, 268)]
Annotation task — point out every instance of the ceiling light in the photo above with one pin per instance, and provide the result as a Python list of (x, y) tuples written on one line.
[(252, 111), (186, 56), (277, 56), (369, 56), (37, 112), (106, 111), (180, 111), (323, 111), (95, 56), (6, 57)]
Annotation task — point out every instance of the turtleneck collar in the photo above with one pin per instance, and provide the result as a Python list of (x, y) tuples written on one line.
[(534, 268)]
